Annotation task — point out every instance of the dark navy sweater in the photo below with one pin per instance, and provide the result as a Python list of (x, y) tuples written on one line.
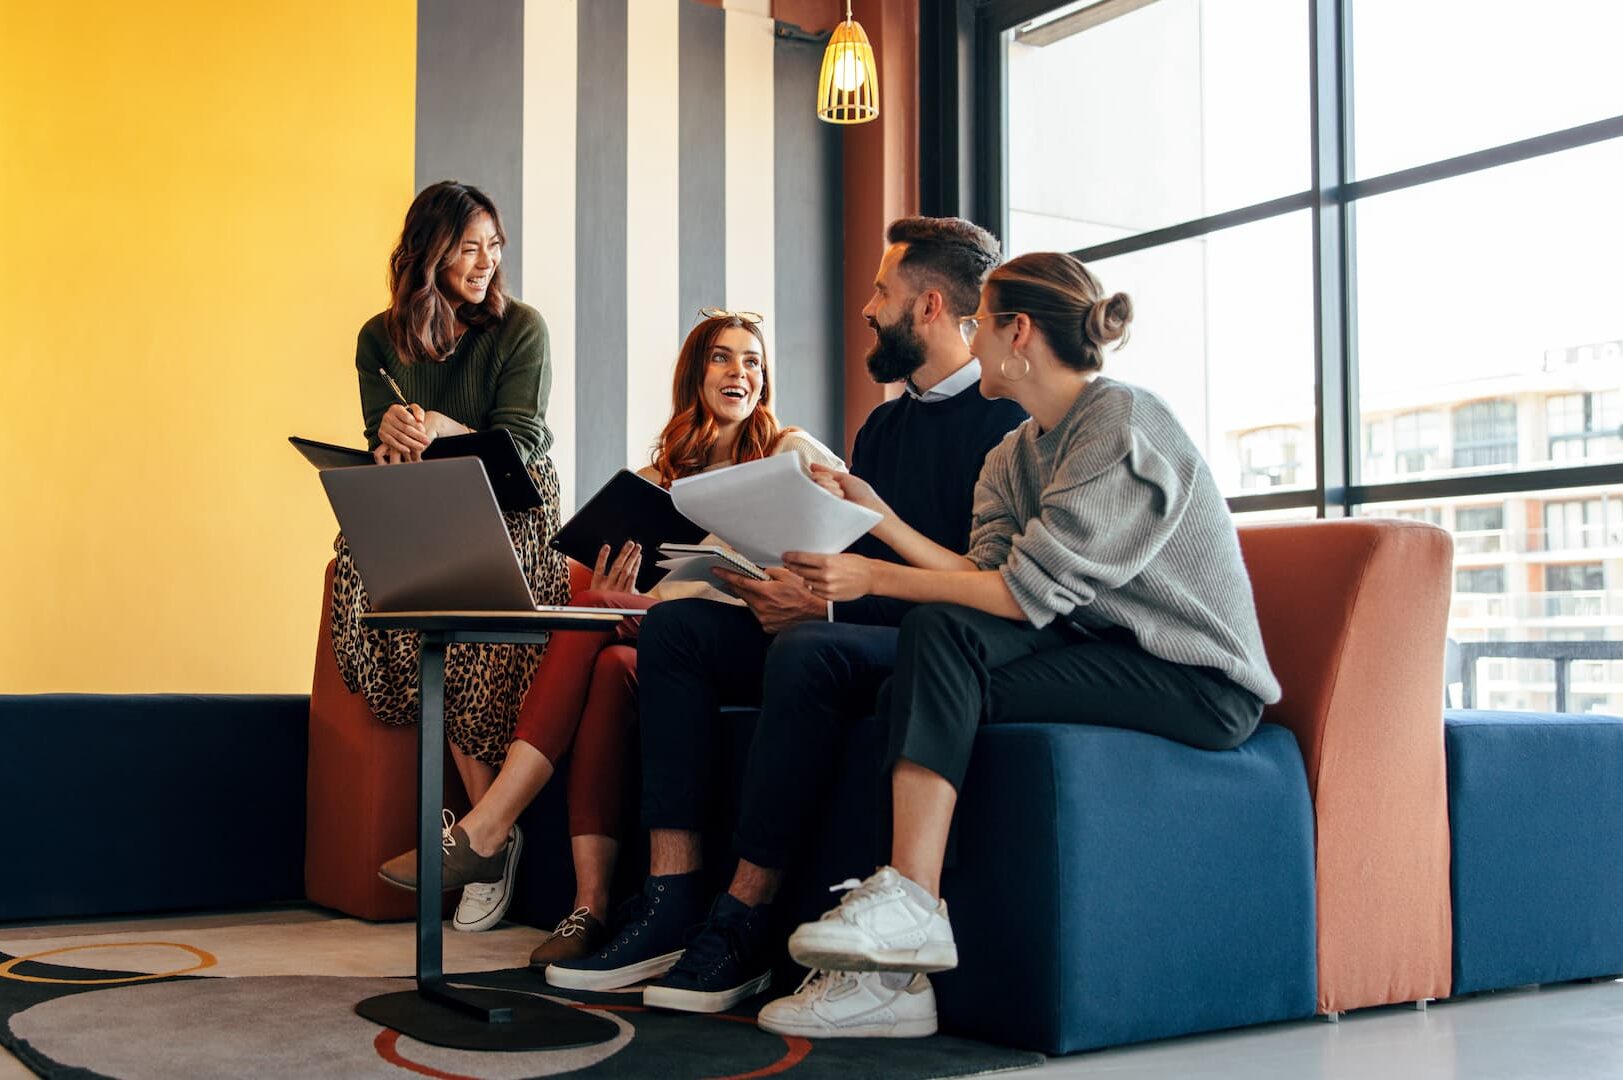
[(923, 459)]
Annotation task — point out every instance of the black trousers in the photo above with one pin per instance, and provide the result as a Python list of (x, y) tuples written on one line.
[(811, 682), (957, 668)]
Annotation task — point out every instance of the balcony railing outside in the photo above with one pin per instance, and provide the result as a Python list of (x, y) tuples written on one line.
[(1596, 604)]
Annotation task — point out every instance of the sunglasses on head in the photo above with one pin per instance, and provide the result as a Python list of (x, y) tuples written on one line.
[(752, 317)]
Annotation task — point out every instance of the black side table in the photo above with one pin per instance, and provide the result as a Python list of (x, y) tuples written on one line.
[(436, 1012)]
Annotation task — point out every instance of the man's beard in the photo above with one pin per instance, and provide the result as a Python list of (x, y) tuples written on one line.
[(897, 352)]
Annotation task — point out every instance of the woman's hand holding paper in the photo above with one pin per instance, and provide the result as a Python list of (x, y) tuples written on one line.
[(834, 577), (854, 489)]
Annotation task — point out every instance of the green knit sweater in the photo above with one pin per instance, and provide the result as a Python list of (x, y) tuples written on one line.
[(497, 377)]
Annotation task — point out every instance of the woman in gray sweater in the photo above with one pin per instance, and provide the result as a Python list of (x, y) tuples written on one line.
[(1103, 585)]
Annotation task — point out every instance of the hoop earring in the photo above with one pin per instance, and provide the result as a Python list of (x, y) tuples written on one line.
[(1003, 368)]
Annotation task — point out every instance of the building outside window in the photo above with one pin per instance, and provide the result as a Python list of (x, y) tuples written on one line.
[(1431, 515), (1481, 579), (1485, 434), (1270, 457), (1583, 426), (1417, 442), (1479, 528), (1583, 523), (1575, 577)]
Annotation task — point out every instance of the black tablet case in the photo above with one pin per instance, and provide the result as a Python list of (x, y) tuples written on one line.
[(627, 508), (508, 478)]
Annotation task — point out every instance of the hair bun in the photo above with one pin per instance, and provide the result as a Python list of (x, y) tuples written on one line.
[(1107, 320)]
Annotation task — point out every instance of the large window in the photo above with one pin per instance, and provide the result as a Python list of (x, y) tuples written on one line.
[(1375, 244)]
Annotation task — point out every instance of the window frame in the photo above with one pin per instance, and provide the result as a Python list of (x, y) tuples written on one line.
[(964, 170)]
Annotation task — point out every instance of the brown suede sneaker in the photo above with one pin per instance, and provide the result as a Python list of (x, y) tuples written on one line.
[(577, 936), (461, 865)]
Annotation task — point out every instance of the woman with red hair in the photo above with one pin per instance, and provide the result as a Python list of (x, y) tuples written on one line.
[(583, 698)]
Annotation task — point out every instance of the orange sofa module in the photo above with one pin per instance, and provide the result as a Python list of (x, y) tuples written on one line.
[(1354, 617)]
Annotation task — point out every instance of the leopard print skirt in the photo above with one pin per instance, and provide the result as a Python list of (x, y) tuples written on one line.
[(484, 684)]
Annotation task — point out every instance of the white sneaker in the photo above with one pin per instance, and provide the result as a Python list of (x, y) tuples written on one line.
[(887, 923), (482, 906), (854, 1005)]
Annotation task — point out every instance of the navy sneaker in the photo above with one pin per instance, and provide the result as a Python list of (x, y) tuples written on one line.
[(725, 962), (646, 938)]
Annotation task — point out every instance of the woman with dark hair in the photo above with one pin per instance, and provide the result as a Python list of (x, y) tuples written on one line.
[(583, 700), (466, 356), (1103, 585)]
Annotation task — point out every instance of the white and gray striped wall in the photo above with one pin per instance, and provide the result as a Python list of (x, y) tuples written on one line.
[(649, 157)]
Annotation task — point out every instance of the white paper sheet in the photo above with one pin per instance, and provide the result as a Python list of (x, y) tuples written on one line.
[(767, 507)]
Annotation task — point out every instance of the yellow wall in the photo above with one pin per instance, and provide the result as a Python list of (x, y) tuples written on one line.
[(197, 202)]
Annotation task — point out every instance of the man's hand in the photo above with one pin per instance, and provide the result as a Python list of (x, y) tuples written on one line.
[(778, 604)]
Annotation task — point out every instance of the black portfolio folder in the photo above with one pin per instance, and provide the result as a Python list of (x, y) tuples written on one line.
[(495, 448), (627, 508)]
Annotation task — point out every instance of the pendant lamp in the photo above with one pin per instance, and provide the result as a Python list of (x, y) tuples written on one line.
[(848, 87)]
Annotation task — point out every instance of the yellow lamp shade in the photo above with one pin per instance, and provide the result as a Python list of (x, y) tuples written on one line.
[(848, 87)]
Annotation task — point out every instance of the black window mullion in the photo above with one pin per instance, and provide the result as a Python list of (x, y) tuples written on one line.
[(991, 126)]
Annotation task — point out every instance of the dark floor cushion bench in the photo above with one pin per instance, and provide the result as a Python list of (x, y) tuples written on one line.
[(141, 803)]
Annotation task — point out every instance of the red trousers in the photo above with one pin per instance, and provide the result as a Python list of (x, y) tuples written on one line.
[(583, 702)]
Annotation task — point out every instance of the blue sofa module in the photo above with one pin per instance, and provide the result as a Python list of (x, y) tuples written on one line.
[(131, 803), (1113, 887), (1535, 807)]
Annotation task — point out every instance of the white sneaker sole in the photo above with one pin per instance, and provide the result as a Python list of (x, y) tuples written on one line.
[(918, 1028), (702, 1001), (813, 949), (494, 915), (566, 978)]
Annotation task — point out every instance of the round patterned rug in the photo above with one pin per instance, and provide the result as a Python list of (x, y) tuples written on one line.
[(175, 1020)]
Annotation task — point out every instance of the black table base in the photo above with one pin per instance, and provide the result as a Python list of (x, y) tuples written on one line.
[(442, 1016)]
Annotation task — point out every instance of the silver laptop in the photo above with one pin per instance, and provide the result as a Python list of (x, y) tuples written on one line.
[(428, 536)]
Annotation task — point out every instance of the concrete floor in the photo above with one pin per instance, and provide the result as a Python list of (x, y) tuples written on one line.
[(1569, 1031)]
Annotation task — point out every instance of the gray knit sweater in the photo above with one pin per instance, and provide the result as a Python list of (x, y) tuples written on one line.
[(1113, 519)]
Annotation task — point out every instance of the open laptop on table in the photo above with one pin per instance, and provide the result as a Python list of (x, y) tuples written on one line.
[(428, 536)]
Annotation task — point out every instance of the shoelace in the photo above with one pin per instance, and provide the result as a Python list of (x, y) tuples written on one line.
[(819, 983), (482, 893), (574, 924), (447, 841), (856, 892), (628, 919), (710, 944)]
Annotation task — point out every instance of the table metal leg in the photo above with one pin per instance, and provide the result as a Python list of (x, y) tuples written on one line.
[(436, 1012), (431, 982)]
